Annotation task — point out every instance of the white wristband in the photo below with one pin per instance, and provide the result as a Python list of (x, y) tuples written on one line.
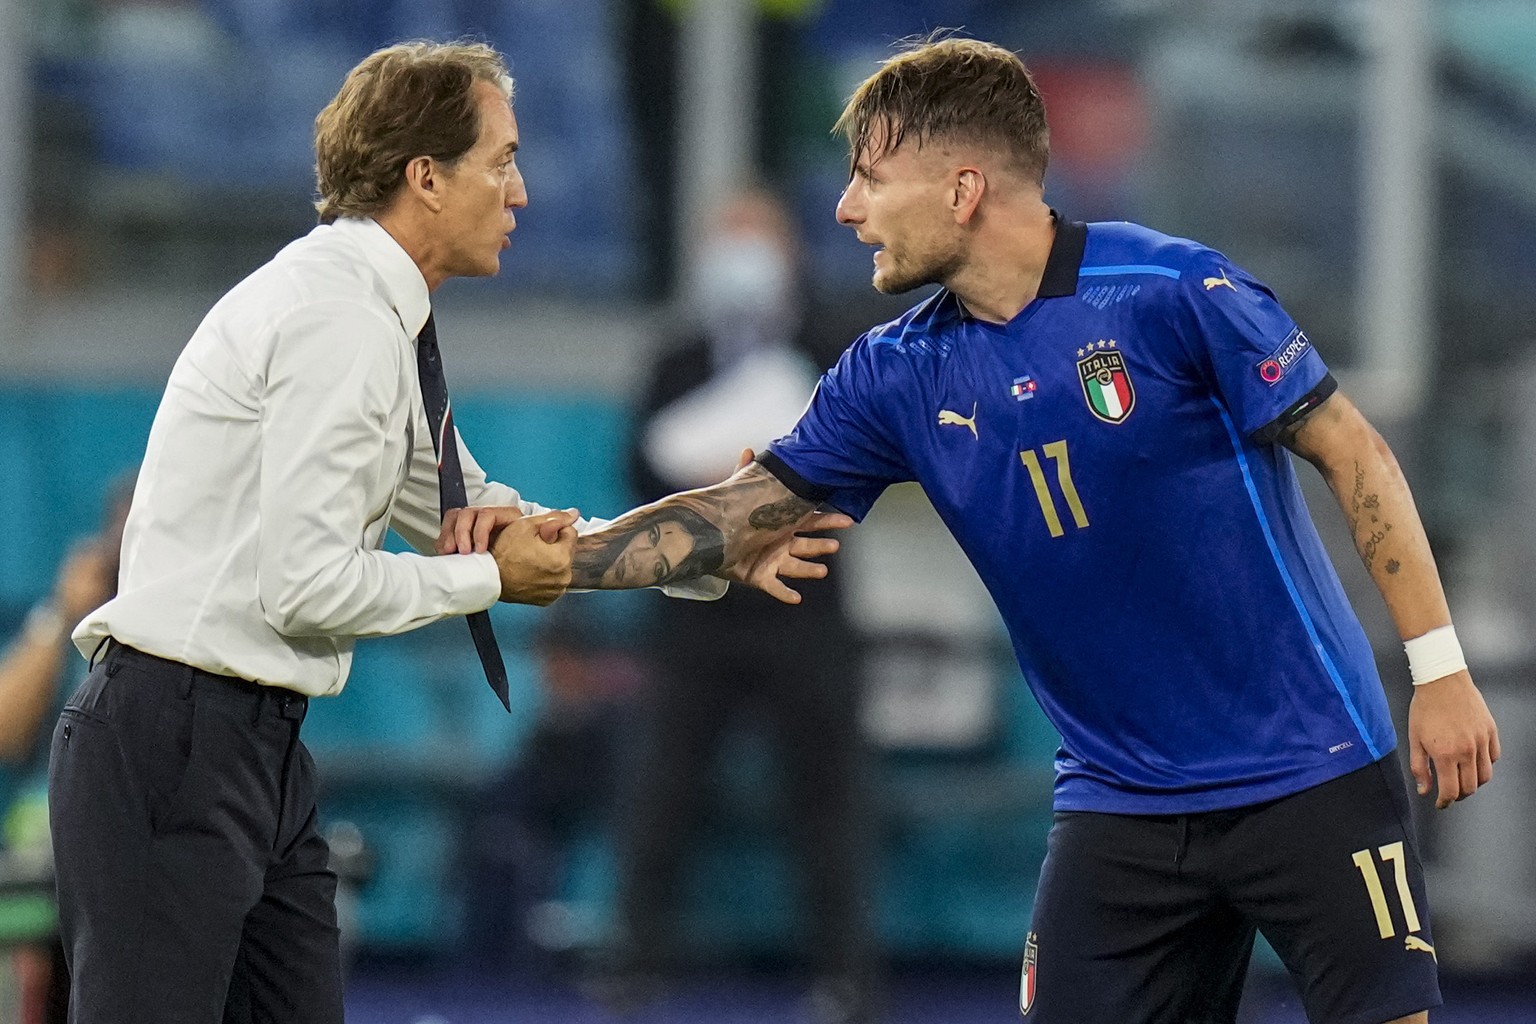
[(1434, 655)]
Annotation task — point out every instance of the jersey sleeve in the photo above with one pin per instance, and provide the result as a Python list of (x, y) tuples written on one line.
[(840, 452), (1263, 365)]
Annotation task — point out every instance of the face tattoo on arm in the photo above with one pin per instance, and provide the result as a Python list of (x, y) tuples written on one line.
[(687, 535)]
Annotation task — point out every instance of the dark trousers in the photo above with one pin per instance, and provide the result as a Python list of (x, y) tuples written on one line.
[(193, 885)]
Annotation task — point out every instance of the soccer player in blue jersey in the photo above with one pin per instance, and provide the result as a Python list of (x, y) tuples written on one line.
[(1103, 416)]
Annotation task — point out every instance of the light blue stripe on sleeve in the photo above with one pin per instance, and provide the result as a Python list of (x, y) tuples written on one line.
[(1128, 268)]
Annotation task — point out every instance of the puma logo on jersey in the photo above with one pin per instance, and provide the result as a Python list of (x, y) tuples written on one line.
[(1415, 944), (954, 419), (1219, 282)]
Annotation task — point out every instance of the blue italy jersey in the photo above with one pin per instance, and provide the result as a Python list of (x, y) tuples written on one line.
[(1107, 461)]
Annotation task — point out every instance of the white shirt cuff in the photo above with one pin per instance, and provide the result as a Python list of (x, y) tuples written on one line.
[(475, 582)]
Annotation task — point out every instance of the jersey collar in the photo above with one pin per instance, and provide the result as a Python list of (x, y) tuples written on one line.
[(1059, 279), (1065, 260)]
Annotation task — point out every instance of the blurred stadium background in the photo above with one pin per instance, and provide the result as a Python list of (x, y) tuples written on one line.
[(1375, 162)]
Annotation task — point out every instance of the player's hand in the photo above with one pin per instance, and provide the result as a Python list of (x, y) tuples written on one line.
[(1449, 728), (533, 556), (788, 554)]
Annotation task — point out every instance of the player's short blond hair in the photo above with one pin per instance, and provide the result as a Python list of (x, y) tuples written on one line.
[(950, 89), (401, 102)]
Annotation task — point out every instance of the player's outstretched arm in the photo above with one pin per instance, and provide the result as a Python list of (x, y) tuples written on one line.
[(1449, 726), (748, 529)]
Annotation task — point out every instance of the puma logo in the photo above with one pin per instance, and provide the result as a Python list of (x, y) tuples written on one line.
[(954, 419), (1219, 282), (1416, 944)]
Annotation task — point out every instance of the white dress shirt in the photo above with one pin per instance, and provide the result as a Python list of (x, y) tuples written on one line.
[(291, 435)]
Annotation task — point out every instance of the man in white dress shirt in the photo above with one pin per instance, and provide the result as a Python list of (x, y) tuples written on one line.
[(193, 886)]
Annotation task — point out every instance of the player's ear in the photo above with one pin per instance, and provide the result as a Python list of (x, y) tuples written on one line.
[(970, 185)]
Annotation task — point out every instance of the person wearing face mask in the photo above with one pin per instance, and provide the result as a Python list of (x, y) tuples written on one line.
[(738, 378)]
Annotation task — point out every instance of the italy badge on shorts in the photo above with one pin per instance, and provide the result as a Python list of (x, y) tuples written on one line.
[(1027, 976), (1106, 384)]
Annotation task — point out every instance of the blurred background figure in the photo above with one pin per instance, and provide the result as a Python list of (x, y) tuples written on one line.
[(37, 670), (736, 376), (1370, 160), (556, 790)]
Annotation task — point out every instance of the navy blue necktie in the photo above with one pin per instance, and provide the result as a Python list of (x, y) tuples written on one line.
[(450, 482)]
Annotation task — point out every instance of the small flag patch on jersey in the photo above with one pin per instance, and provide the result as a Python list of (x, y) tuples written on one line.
[(1023, 388)]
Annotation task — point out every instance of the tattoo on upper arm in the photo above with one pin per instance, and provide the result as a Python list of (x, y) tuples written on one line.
[(776, 515), (1393, 565)]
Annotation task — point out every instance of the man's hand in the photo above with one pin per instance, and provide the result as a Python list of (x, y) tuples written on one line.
[(1450, 728), (533, 555), (472, 530), (787, 556)]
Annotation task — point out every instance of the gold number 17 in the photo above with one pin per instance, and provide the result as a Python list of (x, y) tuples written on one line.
[(1057, 452), (1391, 852)]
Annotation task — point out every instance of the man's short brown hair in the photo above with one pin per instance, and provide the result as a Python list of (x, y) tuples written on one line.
[(401, 102), (951, 90)]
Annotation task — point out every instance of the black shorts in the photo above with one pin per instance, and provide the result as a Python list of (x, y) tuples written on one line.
[(1151, 919)]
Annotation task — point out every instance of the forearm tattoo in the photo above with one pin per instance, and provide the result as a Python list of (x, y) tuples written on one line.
[(1366, 524), (685, 536), (656, 545)]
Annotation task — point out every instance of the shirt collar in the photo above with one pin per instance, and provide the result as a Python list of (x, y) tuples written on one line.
[(403, 286), (1065, 260)]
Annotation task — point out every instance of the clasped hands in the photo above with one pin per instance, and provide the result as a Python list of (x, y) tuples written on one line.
[(533, 553)]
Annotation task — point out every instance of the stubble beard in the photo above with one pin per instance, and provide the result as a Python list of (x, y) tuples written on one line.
[(933, 267)]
